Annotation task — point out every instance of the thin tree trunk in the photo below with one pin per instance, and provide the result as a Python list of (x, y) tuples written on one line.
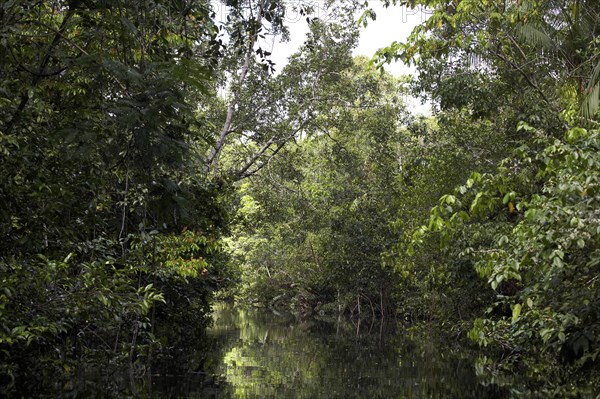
[(212, 163)]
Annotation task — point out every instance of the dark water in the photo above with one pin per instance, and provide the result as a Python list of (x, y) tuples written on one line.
[(257, 354)]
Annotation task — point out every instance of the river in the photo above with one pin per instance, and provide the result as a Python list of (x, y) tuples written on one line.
[(259, 354)]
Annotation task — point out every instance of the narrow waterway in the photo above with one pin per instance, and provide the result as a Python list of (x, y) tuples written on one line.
[(258, 354)]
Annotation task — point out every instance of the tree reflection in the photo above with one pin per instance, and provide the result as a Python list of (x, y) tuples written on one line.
[(266, 355)]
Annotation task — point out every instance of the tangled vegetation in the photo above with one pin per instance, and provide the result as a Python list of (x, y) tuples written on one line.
[(153, 160)]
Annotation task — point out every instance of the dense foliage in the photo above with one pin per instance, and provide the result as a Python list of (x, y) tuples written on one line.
[(312, 227), (150, 158), (525, 220), (481, 219), (110, 237)]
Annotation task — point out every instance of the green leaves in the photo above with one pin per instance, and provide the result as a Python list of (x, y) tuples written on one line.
[(549, 255), (533, 235), (100, 164), (575, 134), (314, 223), (516, 312)]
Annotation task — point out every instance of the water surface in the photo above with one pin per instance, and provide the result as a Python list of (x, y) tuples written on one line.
[(258, 354)]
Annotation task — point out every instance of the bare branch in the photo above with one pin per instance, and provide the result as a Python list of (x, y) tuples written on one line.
[(247, 173), (212, 163)]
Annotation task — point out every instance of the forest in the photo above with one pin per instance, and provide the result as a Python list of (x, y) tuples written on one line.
[(154, 162)]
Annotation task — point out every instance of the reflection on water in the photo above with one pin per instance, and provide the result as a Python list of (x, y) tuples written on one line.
[(257, 354)]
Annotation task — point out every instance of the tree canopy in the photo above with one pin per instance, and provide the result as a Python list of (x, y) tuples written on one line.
[(153, 162)]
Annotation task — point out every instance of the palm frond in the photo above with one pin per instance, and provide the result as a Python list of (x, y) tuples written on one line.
[(590, 102), (535, 36), (591, 98), (595, 79)]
